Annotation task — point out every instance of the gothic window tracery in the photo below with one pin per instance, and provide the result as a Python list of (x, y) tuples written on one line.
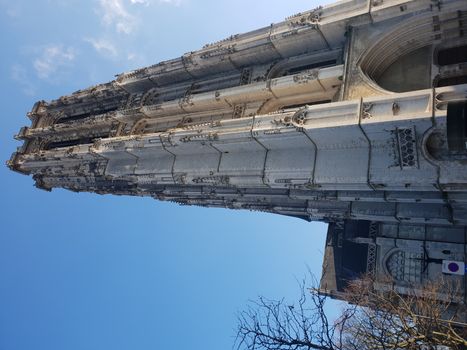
[(404, 266)]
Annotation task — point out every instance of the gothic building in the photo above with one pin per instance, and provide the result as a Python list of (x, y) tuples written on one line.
[(397, 256), (352, 113)]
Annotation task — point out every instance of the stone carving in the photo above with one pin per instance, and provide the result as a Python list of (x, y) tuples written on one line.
[(367, 110), (306, 77)]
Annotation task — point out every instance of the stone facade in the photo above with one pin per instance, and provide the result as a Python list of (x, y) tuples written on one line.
[(351, 111), (397, 256)]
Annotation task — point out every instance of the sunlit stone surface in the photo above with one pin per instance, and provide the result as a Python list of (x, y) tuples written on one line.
[(351, 112)]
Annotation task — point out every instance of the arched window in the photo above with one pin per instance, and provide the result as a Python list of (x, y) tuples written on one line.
[(404, 266), (409, 72)]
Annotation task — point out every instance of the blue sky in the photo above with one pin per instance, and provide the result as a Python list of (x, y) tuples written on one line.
[(82, 271)]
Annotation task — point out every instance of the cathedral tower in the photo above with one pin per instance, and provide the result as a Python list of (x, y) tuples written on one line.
[(351, 112)]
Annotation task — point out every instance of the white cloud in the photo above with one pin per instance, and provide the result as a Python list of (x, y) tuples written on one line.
[(12, 9), (143, 2), (13, 13), (137, 59), (172, 2), (19, 74), (103, 46), (52, 58), (148, 2), (114, 13)]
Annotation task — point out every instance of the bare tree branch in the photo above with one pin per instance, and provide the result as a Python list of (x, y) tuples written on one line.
[(276, 325), (373, 319)]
